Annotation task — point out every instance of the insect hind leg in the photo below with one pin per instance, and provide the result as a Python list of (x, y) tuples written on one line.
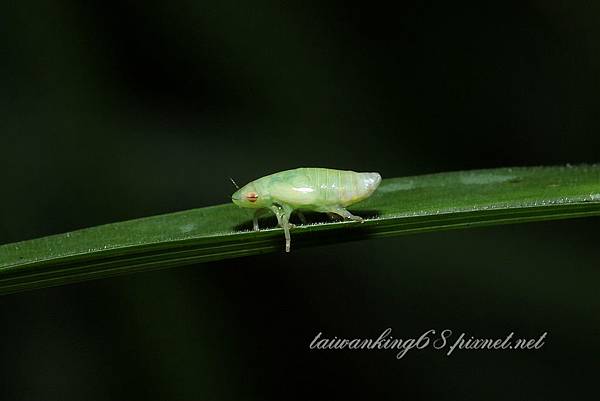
[(342, 212)]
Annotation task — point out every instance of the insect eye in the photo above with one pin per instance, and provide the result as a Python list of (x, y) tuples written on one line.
[(252, 197)]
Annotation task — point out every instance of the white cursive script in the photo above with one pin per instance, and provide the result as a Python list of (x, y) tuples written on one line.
[(430, 337)]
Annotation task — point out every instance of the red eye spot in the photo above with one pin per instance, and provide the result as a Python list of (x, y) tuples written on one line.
[(252, 197)]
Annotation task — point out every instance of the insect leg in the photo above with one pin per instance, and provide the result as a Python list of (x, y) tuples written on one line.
[(257, 214), (334, 216), (286, 230), (283, 217), (301, 217), (345, 214), (278, 213)]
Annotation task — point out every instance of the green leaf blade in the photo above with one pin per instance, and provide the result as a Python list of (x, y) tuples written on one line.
[(399, 206)]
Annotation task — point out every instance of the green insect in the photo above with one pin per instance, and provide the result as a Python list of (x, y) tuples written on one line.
[(316, 189)]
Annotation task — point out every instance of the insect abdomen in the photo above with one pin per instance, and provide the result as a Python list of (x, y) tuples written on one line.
[(338, 187)]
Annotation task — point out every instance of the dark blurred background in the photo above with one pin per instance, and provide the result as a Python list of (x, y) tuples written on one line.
[(117, 110)]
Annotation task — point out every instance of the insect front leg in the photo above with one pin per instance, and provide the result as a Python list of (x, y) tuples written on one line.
[(257, 214)]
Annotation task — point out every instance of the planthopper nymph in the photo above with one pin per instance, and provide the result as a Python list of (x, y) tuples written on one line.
[(313, 189)]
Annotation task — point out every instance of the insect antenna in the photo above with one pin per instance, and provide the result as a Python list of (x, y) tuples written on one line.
[(234, 183)]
